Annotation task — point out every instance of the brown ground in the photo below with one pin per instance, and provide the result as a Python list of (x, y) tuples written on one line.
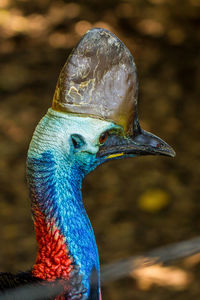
[(134, 205)]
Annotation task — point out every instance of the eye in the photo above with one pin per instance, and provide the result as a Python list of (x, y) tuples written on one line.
[(77, 141), (103, 137)]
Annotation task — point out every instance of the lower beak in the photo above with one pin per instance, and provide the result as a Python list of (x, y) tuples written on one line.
[(142, 143)]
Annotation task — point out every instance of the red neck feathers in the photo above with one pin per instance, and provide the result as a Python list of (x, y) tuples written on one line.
[(53, 260)]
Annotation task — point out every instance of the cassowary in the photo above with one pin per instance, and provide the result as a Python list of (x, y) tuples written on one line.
[(93, 120)]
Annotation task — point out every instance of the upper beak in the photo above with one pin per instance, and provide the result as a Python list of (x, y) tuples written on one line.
[(141, 143)]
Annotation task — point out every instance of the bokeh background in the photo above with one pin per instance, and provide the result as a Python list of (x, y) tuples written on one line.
[(135, 205)]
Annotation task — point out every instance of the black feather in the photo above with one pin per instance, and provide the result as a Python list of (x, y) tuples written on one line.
[(24, 285)]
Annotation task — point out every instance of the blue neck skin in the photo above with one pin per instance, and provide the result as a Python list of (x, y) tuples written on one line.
[(55, 175), (62, 202)]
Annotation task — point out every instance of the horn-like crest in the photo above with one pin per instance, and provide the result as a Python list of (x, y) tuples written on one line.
[(99, 80)]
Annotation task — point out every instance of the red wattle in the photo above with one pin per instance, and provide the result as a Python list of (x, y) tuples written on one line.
[(53, 260)]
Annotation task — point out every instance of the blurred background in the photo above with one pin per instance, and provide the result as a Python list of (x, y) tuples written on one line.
[(134, 205)]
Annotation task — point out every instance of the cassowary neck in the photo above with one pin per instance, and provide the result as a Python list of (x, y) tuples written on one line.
[(63, 231)]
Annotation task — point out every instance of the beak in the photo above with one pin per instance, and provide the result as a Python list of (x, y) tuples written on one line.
[(141, 143)]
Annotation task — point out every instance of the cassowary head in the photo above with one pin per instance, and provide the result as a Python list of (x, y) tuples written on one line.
[(94, 117), (97, 96)]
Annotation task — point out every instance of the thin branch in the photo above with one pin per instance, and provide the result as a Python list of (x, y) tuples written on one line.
[(165, 255)]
